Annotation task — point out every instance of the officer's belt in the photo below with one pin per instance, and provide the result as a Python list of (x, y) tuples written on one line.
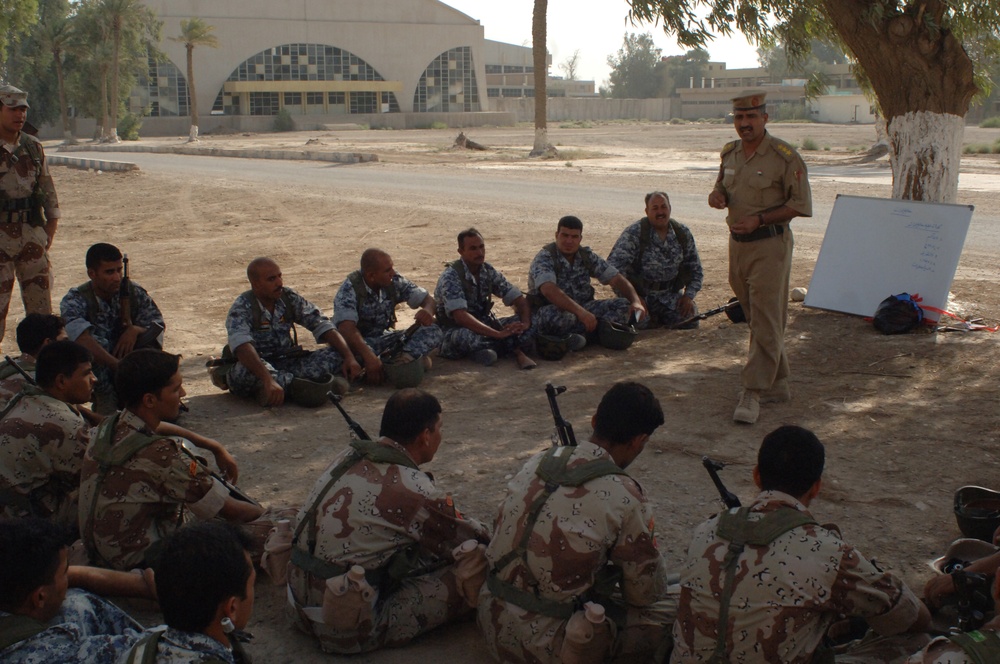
[(15, 204), (762, 233)]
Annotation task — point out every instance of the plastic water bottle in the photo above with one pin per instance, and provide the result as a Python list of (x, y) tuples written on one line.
[(470, 569), (588, 636), (348, 600), (277, 552)]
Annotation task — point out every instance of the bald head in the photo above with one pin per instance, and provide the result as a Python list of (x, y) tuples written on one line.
[(265, 279), (371, 259), (257, 265)]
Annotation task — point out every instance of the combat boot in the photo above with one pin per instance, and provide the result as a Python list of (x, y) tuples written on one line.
[(748, 410)]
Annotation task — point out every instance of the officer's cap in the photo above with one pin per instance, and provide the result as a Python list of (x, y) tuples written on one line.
[(13, 97), (749, 100)]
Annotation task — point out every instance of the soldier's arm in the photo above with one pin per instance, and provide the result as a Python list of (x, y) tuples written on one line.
[(470, 322), (425, 313), (247, 355), (335, 340), (223, 459), (101, 356), (352, 335), (523, 310), (238, 511), (625, 287), (111, 583)]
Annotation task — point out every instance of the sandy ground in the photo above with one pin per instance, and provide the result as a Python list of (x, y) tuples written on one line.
[(906, 420)]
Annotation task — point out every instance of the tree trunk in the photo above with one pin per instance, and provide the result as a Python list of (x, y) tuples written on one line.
[(923, 79), (539, 56), (192, 97), (103, 133), (115, 66), (63, 107)]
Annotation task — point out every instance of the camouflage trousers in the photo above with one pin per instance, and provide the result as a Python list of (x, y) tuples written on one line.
[(419, 605), (318, 366), (423, 341), (552, 320), (459, 342), (23, 256), (662, 309), (515, 635)]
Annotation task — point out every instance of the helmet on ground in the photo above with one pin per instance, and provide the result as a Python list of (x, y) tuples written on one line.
[(735, 312), (977, 511), (614, 335), (961, 553), (551, 347), (407, 373)]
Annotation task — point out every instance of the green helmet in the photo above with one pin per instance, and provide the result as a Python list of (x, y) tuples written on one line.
[(405, 374), (614, 335), (550, 347), (977, 511)]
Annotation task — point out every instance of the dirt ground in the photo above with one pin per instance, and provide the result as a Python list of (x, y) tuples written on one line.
[(906, 420)]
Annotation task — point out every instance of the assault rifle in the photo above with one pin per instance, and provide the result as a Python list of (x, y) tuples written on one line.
[(234, 490), (17, 367), (713, 467), (396, 349), (124, 304), (286, 354), (563, 428), (357, 431), (705, 314)]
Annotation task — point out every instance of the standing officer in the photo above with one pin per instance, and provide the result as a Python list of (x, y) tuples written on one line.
[(763, 183), (26, 192)]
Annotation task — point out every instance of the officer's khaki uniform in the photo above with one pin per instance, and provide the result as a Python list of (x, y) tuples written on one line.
[(774, 175)]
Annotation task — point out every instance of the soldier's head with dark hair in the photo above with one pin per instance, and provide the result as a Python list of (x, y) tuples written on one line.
[(102, 252), (71, 362), (627, 410), (145, 371), (36, 330), (571, 222), (33, 567), (790, 460), (408, 414), (205, 567), (468, 232)]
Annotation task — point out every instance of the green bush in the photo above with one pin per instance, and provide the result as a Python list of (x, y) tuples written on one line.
[(439, 125), (283, 121), (809, 144), (129, 126), (678, 121), (990, 123)]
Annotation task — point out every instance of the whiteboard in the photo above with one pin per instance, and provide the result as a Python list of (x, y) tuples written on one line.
[(877, 247)]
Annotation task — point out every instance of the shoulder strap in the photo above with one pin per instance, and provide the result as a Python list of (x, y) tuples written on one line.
[(28, 390), (33, 147), (644, 230), (144, 650), (87, 291), (682, 237), (15, 628), (729, 147), (361, 293), (981, 647)]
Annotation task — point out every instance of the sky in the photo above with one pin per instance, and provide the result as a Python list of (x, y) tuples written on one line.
[(597, 31)]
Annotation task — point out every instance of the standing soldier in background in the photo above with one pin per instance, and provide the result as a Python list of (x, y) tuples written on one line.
[(29, 210), (763, 183)]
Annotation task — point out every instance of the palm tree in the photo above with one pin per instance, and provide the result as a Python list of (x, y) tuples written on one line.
[(56, 35), (539, 56), (194, 32)]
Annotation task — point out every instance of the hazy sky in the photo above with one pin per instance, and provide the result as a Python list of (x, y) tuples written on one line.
[(596, 27)]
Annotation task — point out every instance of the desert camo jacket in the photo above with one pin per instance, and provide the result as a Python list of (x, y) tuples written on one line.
[(785, 595), (42, 441), (143, 501), (12, 382), (19, 175)]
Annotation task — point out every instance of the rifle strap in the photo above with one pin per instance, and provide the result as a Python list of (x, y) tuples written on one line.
[(257, 312), (27, 391), (362, 292), (471, 291), (87, 291)]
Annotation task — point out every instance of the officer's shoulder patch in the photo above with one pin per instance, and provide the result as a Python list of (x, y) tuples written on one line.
[(783, 148), (729, 147)]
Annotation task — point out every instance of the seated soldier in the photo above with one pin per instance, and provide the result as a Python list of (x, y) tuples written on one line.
[(137, 485), (364, 311), (95, 319), (397, 525), (205, 584), (658, 256), (778, 580), (43, 437), (977, 647), (42, 621), (268, 361), (33, 332), (465, 308), (591, 538), (560, 290)]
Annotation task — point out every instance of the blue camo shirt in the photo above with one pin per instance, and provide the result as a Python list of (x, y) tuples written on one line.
[(376, 314), (276, 329), (106, 328), (662, 259), (451, 296), (574, 280)]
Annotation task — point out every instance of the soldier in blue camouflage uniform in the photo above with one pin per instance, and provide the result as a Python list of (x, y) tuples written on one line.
[(29, 210), (93, 317), (205, 586), (56, 624), (659, 258), (559, 284), (260, 326), (465, 308), (364, 311)]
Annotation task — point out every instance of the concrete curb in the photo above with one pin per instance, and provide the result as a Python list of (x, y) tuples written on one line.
[(87, 164), (304, 155)]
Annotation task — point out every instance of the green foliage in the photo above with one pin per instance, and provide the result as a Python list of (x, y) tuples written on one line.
[(439, 125), (676, 71), (809, 144), (283, 121), (634, 69), (577, 124), (991, 122), (16, 19), (130, 124)]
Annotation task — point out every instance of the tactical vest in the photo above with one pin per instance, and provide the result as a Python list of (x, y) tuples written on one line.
[(469, 289), (981, 647), (400, 565), (28, 209), (583, 253), (361, 293), (643, 287), (257, 323), (552, 470), (15, 628), (87, 291), (110, 456), (144, 651), (736, 528)]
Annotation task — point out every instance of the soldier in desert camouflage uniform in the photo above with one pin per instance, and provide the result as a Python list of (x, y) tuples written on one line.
[(26, 192), (560, 290), (364, 310), (43, 438), (137, 485), (791, 578), (382, 513), (465, 308), (582, 533), (659, 258), (205, 587), (260, 326), (33, 332), (42, 622)]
